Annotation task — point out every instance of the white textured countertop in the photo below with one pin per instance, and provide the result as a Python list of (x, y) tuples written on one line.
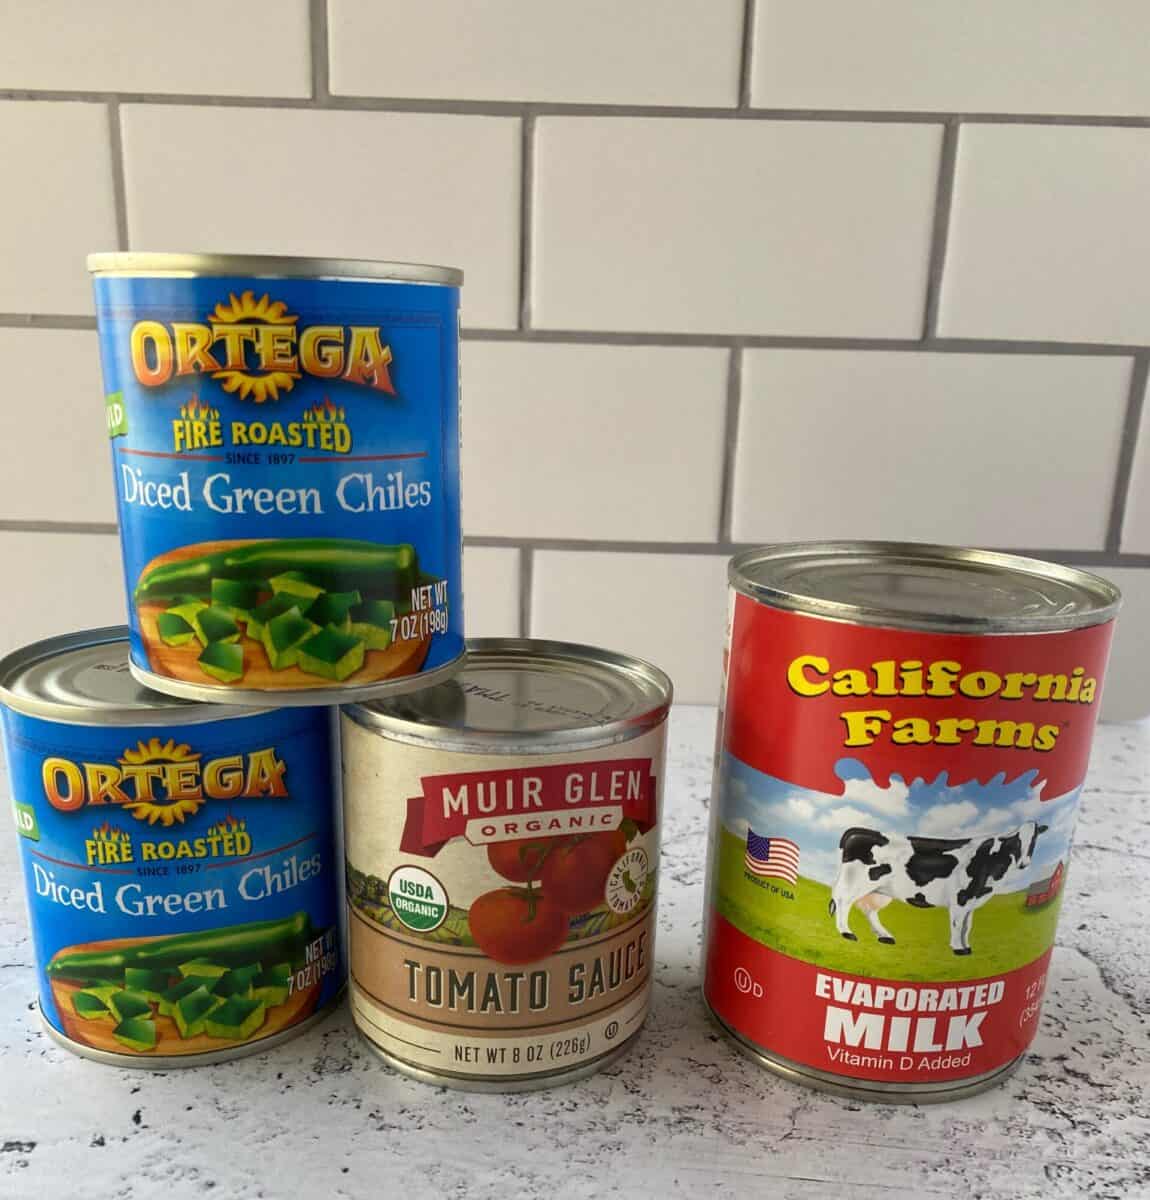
[(682, 1115)]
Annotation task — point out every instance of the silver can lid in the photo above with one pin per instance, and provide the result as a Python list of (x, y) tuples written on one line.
[(906, 585), (83, 679), (527, 696), (267, 266)]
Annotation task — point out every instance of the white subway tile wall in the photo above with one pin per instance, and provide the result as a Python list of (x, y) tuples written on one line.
[(737, 270)]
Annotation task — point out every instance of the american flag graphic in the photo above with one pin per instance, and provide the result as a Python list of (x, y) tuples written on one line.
[(776, 857)]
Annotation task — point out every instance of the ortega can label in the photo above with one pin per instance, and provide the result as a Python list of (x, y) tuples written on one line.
[(502, 856), (903, 742), (179, 859), (285, 442)]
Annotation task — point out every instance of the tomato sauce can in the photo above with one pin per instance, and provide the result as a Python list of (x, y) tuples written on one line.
[(285, 444), (502, 854), (903, 738), (179, 859)]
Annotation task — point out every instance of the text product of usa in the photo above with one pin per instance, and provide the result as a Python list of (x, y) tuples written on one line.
[(903, 740), (285, 447), (179, 859)]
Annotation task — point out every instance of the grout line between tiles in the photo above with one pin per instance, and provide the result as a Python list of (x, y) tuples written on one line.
[(318, 42), (57, 526), (730, 442), (119, 187), (526, 216), (45, 321), (515, 108), (1128, 447), (526, 586), (747, 51), (940, 232)]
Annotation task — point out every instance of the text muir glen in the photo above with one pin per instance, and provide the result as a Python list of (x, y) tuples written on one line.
[(812, 675)]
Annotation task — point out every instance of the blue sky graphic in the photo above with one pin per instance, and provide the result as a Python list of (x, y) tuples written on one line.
[(816, 820)]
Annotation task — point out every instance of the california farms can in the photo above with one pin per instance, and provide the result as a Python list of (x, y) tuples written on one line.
[(502, 856), (179, 859), (285, 442), (902, 746)]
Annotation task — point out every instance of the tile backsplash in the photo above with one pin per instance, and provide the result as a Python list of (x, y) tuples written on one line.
[(737, 271)]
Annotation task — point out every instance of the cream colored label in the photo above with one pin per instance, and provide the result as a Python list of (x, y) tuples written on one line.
[(501, 907)]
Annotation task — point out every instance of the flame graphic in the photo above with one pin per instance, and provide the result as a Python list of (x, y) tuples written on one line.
[(324, 413), (197, 410), (228, 824), (110, 833)]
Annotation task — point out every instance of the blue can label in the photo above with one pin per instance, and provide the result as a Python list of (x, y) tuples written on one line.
[(286, 456), (182, 882)]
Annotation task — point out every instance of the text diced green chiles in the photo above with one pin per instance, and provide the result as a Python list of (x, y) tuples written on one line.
[(215, 625), (295, 583), (138, 1033), (182, 989), (238, 596), (236, 1018), (173, 629), (333, 608), (223, 661), (283, 636), (190, 1011), (125, 1004), (147, 982), (332, 654)]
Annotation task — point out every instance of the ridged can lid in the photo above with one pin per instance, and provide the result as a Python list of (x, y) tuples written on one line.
[(908, 585), (267, 266), (83, 679), (527, 696)]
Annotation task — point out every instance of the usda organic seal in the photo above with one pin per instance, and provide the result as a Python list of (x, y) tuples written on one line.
[(417, 898)]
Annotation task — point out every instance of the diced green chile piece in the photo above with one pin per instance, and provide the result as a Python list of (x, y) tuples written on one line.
[(188, 608), (332, 654), (223, 661), (92, 1003), (333, 608), (372, 622), (139, 1033), (275, 607), (283, 636), (182, 989), (273, 986), (235, 594), (125, 1004), (236, 1018), (295, 583), (147, 982), (173, 629), (237, 981), (202, 966), (215, 625), (189, 1011)]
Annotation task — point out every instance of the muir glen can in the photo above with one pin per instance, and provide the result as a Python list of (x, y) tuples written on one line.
[(179, 859), (502, 857), (285, 448), (903, 739)]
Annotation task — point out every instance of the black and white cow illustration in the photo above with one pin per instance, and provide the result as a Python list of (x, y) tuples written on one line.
[(959, 874)]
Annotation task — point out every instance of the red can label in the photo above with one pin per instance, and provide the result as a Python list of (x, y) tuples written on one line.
[(890, 837)]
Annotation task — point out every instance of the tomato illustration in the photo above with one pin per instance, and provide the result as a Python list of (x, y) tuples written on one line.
[(519, 861), (517, 925), (575, 873)]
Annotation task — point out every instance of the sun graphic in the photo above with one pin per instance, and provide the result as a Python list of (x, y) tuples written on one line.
[(246, 307), (162, 812)]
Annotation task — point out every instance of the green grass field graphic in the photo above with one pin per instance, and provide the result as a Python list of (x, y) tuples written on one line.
[(1004, 933)]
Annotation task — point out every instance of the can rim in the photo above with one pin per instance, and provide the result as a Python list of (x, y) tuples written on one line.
[(498, 741), (1105, 596), (268, 266), (166, 711)]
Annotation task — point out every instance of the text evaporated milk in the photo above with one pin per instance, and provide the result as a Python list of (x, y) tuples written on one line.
[(179, 858), (502, 858), (285, 442), (904, 738)]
